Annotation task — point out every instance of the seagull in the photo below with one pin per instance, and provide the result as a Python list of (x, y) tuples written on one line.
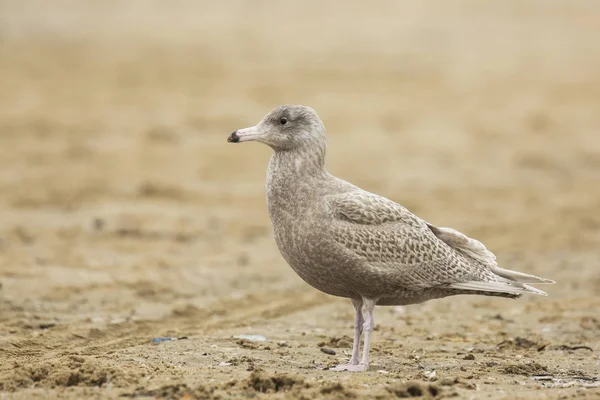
[(348, 242)]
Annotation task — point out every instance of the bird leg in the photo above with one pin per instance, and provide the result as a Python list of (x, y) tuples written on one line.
[(358, 327), (360, 324), (369, 325)]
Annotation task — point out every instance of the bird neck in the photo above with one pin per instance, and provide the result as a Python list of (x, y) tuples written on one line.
[(292, 177), (298, 163)]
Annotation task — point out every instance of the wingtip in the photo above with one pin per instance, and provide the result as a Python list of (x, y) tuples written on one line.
[(534, 290), (544, 281), (520, 276)]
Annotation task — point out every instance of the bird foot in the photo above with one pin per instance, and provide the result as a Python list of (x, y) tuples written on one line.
[(351, 368)]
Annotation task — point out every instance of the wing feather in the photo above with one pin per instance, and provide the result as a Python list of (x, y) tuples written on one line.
[(388, 234)]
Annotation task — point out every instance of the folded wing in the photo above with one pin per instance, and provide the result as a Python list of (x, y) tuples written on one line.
[(441, 256)]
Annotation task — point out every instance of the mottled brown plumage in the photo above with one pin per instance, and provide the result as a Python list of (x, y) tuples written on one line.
[(351, 243)]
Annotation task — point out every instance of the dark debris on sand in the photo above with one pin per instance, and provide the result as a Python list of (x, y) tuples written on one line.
[(414, 389), (532, 368), (263, 382)]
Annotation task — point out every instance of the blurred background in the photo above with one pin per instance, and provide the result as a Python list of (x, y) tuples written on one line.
[(125, 216)]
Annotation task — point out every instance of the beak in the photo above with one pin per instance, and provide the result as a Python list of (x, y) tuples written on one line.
[(245, 135)]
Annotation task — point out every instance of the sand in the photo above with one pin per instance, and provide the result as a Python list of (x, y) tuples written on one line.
[(125, 216)]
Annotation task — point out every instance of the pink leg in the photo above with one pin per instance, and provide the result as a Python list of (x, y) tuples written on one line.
[(369, 306), (358, 327), (360, 324)]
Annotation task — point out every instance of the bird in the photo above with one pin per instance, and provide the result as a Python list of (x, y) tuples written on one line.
[(350, 243)]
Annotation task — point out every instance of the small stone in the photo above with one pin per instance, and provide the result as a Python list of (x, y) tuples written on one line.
[(327, 350), (430, 375), (251, 338), (469, 357)]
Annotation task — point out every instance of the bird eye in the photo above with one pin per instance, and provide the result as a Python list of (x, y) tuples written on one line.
[(283, 121)]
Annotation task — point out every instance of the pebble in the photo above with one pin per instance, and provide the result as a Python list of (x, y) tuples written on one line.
[(252, 338), (162, 339), (431, 375)]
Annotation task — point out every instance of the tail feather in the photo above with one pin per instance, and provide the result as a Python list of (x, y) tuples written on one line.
[(509, 281)]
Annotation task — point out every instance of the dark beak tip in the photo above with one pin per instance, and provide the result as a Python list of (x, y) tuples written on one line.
[(233, 138)]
